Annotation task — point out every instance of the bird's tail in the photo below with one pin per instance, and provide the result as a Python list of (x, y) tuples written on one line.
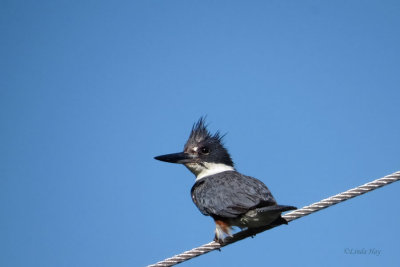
[(277, 208)]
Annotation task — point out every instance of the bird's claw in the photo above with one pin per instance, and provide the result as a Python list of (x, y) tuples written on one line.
[(218, 240)]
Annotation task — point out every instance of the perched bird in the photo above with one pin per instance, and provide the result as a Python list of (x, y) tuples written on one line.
[(229, 197)]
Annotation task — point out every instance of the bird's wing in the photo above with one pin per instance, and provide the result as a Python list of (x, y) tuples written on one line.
[(230, 194)]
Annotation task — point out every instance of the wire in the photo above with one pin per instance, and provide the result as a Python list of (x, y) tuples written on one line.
[(291, 216)]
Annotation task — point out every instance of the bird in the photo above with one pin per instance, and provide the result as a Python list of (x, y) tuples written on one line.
[(220, 191)]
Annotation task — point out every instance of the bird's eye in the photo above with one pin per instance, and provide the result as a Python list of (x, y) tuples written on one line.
[(205, 150)]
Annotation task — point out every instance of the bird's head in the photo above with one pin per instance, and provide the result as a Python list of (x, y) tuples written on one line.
[(204, 153)]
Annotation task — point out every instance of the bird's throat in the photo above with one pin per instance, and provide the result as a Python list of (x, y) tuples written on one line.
[(207, 168)]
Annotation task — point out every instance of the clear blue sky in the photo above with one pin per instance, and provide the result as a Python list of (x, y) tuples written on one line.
[(91, 91)]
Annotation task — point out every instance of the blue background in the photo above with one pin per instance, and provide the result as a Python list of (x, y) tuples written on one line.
[(90, 91)]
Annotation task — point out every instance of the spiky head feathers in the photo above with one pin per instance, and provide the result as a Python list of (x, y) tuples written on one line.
[(207, 147)]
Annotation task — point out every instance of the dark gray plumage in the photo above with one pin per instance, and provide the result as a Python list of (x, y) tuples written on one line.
[(230, 194), (229, 197)]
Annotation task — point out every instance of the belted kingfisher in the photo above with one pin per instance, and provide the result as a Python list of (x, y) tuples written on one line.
[(229, 197)]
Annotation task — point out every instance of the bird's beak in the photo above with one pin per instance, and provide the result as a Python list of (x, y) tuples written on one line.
[(180, 158)]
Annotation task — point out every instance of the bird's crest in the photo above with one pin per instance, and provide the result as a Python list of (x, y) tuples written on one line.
[(200, 134)]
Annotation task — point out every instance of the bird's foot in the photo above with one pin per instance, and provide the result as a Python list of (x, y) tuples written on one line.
[(219, 239)]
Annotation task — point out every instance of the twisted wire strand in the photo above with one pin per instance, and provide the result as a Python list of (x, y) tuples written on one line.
[(291, 216)]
